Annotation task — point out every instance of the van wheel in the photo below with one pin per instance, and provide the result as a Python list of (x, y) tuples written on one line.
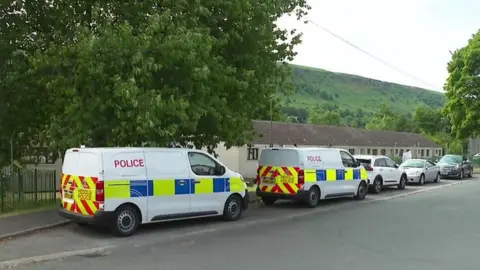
[(313, 197), (268, 200), (81, 224), (232, 210), (126, 221), (361, 191)]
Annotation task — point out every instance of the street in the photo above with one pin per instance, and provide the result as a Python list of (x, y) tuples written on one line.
[(433, 229)]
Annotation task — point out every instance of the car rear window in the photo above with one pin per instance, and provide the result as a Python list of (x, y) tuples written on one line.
[(365, 162), (279, 157)]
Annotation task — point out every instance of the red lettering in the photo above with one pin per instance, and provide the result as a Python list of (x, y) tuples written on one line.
[(314, 158), (133, 163)]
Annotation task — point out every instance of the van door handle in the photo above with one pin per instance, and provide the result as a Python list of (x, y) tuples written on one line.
[(181, 182), (197, 181)]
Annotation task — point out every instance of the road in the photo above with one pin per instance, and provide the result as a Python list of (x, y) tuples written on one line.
[(434, 229)]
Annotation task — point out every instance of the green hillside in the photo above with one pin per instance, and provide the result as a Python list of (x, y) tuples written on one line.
[(317, 87)]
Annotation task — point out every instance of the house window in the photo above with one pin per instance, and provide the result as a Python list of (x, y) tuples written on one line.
[(383, 151), (428, 152), (374, 151), (396, 151), (368, 151), (252, 154), (352, 151), (422, 153), (401, 152)]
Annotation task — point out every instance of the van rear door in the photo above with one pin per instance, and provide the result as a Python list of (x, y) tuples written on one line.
[(81, 171), (278, 171)]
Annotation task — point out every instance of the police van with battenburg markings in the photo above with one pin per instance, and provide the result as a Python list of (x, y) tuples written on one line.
[(309, 175), (124, 187)]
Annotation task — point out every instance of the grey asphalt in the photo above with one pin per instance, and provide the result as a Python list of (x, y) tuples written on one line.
[(438, 229), (23, 222)]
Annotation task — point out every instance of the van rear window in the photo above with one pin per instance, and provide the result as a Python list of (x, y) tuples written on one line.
[(280, 157), (82, 163)]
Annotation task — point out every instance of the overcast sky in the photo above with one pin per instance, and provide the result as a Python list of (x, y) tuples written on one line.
[(412, 35)]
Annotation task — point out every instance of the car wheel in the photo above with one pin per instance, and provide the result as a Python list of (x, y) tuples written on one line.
[(461, 175), (232, 210), (422, 180), (313, 197), (361, 191), (437, 179), (403, 182), (377, 185), (126, 221)]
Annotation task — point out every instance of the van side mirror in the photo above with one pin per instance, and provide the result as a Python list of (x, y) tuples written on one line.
[(357, 163), (220, 170)]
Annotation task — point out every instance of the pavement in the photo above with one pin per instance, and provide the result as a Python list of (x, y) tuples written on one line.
[(422, 227), (22, 224)]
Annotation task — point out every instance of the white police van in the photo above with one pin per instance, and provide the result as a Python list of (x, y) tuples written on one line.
[(125, 187)]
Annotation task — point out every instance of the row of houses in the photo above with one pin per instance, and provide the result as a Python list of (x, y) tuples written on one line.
[(244, 159)]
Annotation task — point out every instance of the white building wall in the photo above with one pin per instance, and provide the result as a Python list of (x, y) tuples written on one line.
[(228, 157)]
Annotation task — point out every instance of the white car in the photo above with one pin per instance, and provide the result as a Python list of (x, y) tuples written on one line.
[(382, 172), (420, 170)]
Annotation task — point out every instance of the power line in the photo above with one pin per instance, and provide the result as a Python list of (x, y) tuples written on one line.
[(373, 56)]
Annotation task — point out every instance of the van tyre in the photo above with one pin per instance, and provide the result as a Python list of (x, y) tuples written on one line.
[(82, 224), (403, 182), (268, 200), (313, 197), (361, 191), (232, 210), (126, 221)]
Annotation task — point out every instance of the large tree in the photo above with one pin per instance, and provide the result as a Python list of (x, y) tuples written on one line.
[(130, 73), (463, 90)]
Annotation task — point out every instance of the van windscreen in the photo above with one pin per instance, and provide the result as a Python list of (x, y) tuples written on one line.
[(279, 157)]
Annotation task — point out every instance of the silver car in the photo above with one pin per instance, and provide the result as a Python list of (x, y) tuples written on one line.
[(420, 171)]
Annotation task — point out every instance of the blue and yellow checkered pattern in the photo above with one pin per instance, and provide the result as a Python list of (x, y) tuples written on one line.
[(328, 175), (121, 189)]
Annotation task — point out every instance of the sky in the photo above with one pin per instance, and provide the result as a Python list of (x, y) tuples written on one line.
[(415, 36)]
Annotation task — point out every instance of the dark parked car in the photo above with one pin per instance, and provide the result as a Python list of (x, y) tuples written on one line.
[(455, 166)]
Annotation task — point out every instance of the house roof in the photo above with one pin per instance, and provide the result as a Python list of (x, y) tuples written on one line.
[(323, 135)]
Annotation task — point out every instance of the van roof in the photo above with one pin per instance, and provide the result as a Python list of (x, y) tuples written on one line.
[(117, 149)]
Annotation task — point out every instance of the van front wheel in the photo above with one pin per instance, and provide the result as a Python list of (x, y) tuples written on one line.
[(232, 210), (126, 221), (361, 191)]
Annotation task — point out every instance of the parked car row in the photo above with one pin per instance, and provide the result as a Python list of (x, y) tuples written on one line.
[(121, 188), (313, 174)]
